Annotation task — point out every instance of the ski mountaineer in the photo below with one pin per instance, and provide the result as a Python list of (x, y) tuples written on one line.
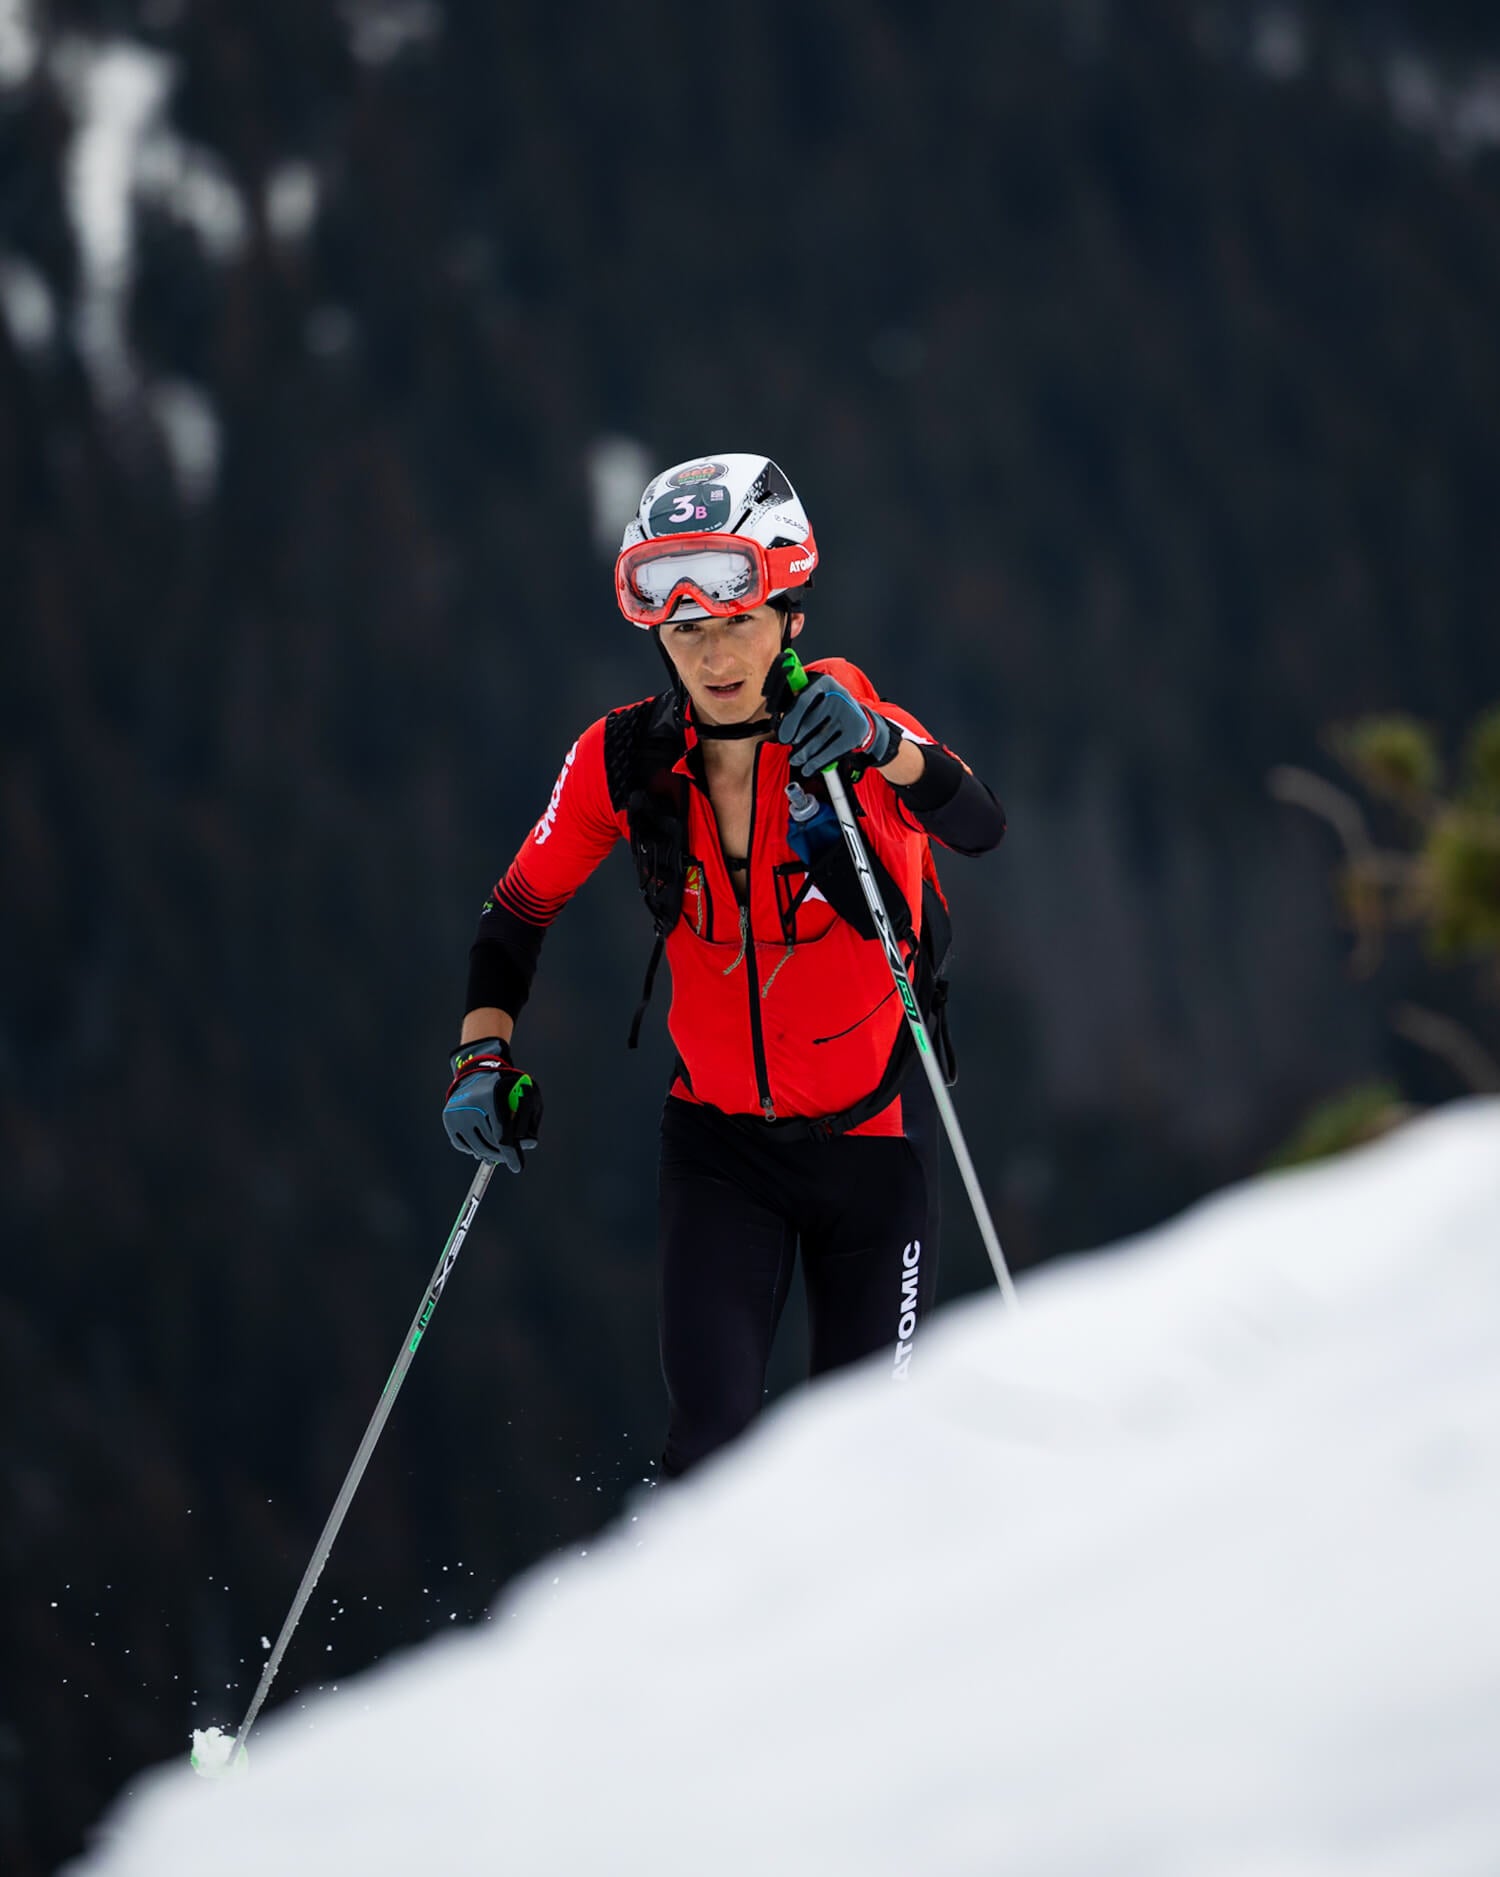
[(791, 1117)]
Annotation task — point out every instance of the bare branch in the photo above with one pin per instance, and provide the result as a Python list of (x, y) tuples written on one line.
[(1302, 789), (1449, 1040)]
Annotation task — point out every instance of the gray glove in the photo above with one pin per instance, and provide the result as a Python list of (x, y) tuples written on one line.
[(492, 1110), (827, 722)]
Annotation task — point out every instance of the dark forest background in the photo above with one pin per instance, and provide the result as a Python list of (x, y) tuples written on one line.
[(1138, 367)]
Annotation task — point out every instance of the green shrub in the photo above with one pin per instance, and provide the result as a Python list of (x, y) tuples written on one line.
[(1359, 1114), (1394, 756), (1462, 866), (1482, 761)]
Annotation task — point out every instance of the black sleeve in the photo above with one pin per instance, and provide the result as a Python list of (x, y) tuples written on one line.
[(953, 806), (502, 960)]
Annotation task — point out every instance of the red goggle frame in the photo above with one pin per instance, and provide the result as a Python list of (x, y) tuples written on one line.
[(725, 574)]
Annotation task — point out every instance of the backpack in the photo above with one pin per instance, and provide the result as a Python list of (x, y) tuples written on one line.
[(642, 744)]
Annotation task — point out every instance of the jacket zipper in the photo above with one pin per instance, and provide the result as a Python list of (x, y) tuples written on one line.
[(752, 974)]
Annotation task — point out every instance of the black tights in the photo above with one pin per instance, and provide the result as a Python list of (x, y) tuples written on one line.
[(734, 1207)]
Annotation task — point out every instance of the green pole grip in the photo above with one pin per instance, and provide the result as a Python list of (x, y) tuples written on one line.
[(797, 681)]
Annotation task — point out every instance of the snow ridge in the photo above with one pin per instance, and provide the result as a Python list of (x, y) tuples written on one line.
[(1185, 1570)]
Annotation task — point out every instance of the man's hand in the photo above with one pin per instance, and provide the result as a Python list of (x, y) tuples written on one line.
[(493, 1111), (827, 722)]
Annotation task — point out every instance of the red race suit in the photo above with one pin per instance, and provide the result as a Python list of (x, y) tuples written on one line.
[(780, 1008)]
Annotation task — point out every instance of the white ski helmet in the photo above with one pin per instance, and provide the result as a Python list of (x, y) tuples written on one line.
[(713, 536)]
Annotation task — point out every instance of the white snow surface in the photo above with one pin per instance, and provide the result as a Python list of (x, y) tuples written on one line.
[(1190, 1567)]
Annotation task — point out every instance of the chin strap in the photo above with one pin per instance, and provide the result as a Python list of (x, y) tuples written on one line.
[(732, 732), (678, 693)]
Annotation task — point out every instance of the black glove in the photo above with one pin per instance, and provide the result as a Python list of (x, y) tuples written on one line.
[(492, 1111), (827, 722)]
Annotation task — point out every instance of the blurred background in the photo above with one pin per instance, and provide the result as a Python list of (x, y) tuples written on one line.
[(1138, 368)]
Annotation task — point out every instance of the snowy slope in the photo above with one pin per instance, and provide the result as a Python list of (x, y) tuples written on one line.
[(1189, 1569)]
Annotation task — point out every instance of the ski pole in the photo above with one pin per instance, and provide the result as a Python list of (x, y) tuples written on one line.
[(797, 681), (206, 1762)]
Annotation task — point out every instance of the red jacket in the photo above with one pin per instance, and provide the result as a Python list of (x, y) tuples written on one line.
[(762, 1026)]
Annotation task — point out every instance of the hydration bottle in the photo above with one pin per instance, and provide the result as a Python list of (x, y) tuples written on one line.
[(815, 827)]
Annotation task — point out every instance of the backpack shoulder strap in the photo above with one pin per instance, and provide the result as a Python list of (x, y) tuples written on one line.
[(642, 744)]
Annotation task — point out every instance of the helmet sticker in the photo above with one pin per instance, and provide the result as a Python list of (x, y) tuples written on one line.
[(769, 489), (699, 472), (679, 510)]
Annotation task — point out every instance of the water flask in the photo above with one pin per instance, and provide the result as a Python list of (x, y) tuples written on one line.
[(815, 827)]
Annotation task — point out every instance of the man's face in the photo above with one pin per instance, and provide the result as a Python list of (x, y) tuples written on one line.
[(723, 662)]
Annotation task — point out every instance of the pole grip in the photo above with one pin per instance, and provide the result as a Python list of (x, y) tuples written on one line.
[(797, 679)]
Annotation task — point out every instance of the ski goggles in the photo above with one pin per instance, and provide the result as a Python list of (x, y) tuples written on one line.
[(723, 573)]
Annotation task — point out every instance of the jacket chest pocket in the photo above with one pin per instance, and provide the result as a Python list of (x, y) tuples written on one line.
[(802, 910)]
